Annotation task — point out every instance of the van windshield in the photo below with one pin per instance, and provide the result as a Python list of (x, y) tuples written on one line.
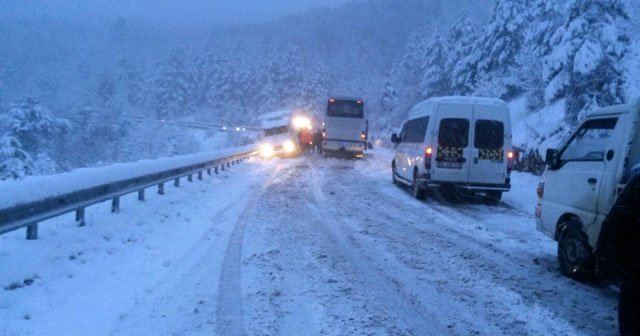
[(453, 132)]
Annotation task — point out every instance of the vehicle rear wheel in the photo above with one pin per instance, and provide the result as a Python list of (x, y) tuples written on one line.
[(575, 255), (493, 197), (416, 189)]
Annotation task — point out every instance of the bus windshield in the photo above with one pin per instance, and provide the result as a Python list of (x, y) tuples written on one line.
[(345, 109)]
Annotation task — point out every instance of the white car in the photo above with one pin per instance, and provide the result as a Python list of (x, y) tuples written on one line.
[(455, 145), (583, 178)]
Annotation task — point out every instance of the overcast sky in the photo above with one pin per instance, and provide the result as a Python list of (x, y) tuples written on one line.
[(169, 12)]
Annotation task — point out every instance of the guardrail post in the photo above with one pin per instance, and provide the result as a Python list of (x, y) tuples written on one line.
[(190, 178), (32, 231), (200, 175), (223, 167), (161, 188), (228, 164), (80, 217), (115, 205), (141, 195), (176, 182), (216, 170), (209, 171)]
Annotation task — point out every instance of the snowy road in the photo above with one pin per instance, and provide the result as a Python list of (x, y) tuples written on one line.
[(309, 246)]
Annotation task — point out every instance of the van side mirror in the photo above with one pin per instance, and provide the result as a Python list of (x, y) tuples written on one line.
[(395, 139), (552, 160)]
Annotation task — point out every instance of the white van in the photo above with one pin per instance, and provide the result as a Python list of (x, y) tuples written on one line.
[(455, 145), (583, 178)]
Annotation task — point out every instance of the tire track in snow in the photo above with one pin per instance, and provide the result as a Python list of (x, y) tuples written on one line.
[(229, 311), (419, 320), (516, 301)]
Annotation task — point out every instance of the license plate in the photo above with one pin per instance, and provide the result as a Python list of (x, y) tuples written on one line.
[(450, 165)]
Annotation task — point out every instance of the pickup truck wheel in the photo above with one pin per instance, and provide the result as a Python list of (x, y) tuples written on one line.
[(575, 255), (416, 190), (394, 175)]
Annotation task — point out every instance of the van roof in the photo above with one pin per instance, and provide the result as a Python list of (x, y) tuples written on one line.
[(468, 100), (422, 108), (616, 109)]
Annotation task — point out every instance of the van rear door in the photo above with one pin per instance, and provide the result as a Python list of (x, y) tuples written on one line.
[(491, 137), (453, 123)]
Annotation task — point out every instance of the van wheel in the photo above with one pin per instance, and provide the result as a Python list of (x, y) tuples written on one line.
[(416, 190), (493, 197), (575, 255)]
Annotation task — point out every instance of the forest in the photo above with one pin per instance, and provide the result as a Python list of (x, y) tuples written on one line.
[(74, 95)]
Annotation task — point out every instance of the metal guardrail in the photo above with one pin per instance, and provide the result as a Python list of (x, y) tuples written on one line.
[(29, 214)]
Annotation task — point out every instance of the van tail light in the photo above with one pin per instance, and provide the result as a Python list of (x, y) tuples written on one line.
[(324, 133), (428, 153), (510, 160), (362, 135)]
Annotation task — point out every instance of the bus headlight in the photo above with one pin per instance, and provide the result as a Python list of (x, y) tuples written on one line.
[(266, 150), (289, 146)]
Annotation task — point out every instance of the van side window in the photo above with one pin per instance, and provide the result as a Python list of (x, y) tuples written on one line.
[(489, 134), (416, 129), (453, 132), (403, 132), (590, 141)]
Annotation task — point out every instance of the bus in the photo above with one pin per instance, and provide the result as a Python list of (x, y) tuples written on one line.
[(345, 128)]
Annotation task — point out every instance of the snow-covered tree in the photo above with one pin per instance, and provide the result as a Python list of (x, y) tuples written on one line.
[(15, 163), (173, 90), (388, 98), (106, 90), (586, 63), (34, 125), (462, 64), (436, 78), (130, 79), (501, 41), (546, 17)]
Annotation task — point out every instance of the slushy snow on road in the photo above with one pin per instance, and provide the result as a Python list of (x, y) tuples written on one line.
[(307, 246)]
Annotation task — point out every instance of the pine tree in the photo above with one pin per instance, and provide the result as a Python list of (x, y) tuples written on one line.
[(436, 79), (173, 91), (34, 125), (462, 66), (130, 78), (106, 90), (15, 163), (545, 19), (501, 41), (585, 65)]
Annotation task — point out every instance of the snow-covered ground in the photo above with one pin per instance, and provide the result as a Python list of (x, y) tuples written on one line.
[(305, 246)]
